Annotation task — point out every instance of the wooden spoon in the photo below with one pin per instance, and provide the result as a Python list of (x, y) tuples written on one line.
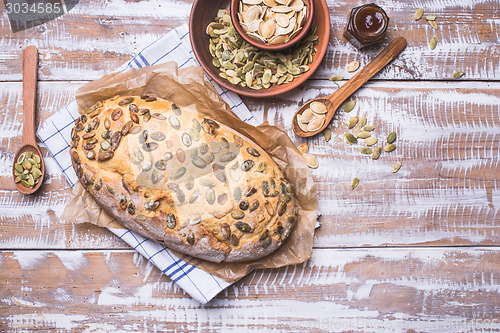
[(28, 143), (334, 100)]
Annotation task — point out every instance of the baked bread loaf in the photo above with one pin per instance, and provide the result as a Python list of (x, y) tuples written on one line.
[(187, 181)]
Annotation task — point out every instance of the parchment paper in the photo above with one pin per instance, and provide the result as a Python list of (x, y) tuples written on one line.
[(186, 87)]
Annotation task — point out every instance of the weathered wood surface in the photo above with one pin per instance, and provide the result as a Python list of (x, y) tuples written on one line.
[(93, 39), (446, 193), (381, 290), (439, 216)]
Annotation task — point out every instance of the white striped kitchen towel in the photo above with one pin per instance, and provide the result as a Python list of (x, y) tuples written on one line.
[(55, 133)]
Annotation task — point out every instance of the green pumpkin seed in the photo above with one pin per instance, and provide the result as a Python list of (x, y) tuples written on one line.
[(247, 165), (458, 74), (433, 24), (433, 42), (371, 141), (336, 77), (261, 167), (354, 183), (18, 168), (391, 137), (178, 173), (396, 167), (431, 17), (350, 139), (364, 135), (352, 122), (21, 158), (362, 121), (376, 153), (390, 147), (418, 14), (327, 133), (349, 106), (237, 193), (365, 150), (368, 128)]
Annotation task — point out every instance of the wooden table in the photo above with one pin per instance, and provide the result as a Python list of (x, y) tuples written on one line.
[(407, 252)]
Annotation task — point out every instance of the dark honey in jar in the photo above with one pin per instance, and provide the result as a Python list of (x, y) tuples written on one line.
[(367, 25)]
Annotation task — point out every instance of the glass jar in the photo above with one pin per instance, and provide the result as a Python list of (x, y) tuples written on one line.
[(367, 25)]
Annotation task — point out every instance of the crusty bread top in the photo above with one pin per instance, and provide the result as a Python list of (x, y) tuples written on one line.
[(185, 180)]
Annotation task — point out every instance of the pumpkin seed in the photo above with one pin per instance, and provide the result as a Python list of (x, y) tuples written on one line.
[(433, 24), (244, 205), (318, 108), (349, 106), (433, 42), (368, 128), (126, 101), (303, 148), (198, 162), (253, 152), (181, 155), (174, 122), (149, 146), (126, 127), (237, 193), (116, 114), (178, 173), (104, 155), (354, 183), (458, 74), (190, 238), (418, 14), (157, 136), (171, 221), (431, 17), (269, 208), (225, 230), (207, 182), (186, 139), (371, 141), (261, 167), (362, 121), (327, 133), (364, 135), (311, 161), (336, 77), (243, 226), (107, 123), (353, 66), (352, 122), (396, 167), (210, 196), (247, 165), (350, 139), (391, 137), (376, 153), (365, 150), (390, 147)]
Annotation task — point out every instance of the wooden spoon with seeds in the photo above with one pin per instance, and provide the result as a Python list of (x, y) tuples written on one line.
[(30, 67), (334, 100)]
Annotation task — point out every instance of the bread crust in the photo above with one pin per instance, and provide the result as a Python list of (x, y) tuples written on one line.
[(195, 185)]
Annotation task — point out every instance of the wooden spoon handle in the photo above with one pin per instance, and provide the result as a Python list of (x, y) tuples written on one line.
[(380, 61), (30, 69)]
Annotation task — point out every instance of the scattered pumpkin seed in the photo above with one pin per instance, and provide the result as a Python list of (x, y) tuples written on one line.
[(368, 128), (365, 150), (396, 167), (352, 122), (350, 139), (349, 106), (391, 137), (433, 43), (430, 17), (389, 147), (336, 77), (458, 74), (376, 153), (364, 135), (418, 14), (362, 121), (327, 133), (433, 24), (354, 183), (303, 148), (371, 141)]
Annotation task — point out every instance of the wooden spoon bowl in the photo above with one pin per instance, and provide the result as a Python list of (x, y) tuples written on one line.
[(333, 101), (28, 143)]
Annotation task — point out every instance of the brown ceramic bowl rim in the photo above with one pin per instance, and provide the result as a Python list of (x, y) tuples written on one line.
[(305, 28)]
